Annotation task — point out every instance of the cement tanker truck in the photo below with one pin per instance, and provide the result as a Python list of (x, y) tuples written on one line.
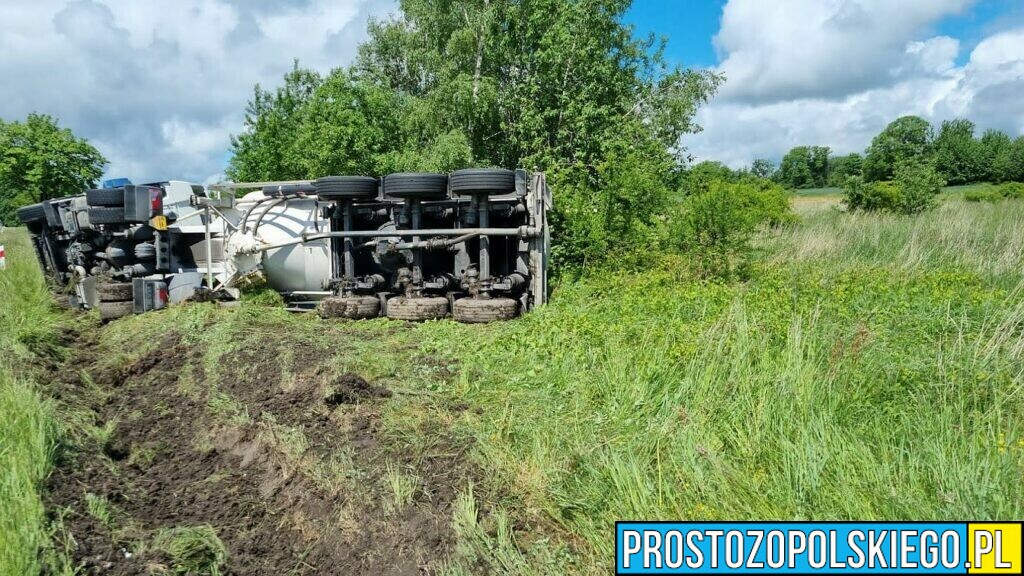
[(473, 244)]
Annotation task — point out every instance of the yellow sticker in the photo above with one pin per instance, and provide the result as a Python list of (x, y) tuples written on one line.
[(158, 222), (994, 548)]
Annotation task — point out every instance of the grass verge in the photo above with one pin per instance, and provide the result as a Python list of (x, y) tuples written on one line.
[(27, 428)]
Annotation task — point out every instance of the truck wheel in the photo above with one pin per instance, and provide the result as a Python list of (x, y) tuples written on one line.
[(31, 214), (115, 291), (113, 310), (105, 197), (422, 185), (417, 309), (346, 187), (352, 307), (483, 181), (484, 310), (106, 215)]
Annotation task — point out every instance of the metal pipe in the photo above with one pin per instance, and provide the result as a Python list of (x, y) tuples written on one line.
[(522, 231), (248, 213), (348, 264), (209, 248), (485, 242), (259, 219), (430, 244), (417, 256)]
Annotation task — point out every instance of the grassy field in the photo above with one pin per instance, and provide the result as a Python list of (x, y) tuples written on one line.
[(27, 425), (872, 367), (832, 192)]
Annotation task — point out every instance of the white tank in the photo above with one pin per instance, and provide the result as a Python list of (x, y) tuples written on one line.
[(301, 267)]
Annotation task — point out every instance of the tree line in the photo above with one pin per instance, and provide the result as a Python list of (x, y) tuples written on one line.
[(955, 151)]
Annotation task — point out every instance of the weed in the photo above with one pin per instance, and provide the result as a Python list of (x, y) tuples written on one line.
[(194, 550), (403, 487), (101, 509)]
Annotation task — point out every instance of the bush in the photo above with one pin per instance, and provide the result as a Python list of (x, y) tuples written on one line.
[(913, 190), (919, 184), (869, 196), (715, 227), (1012, 190), (982, 195)]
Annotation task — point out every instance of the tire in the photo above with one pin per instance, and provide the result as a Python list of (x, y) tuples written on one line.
[(346, 187), (105, 197), (288, 190), (419, 185), (115, 292), (31, 214), (105, 215), (487, 181), (114, 310), (417, 309), (484, 310), (352, 307)]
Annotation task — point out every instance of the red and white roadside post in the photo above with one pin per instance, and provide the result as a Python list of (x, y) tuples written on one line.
[(3, 258)]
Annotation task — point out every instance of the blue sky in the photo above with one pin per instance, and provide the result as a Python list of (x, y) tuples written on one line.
[(135, 79), (691, 25)]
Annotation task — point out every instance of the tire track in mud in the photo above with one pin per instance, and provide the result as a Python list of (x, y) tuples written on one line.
[(299, 481)]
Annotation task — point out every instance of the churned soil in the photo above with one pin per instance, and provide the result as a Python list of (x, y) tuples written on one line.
[(293, 475)]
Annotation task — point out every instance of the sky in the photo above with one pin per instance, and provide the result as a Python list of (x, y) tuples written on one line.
[(160, 86)]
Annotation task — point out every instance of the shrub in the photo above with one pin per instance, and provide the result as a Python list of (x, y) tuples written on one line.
[(715, 227), (919, 184), (982, 196), (1012, 190), (914, 190), (869, 196)]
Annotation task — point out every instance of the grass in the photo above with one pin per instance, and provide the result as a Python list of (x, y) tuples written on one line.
[(194, 550), (872, 367), (27, 427)]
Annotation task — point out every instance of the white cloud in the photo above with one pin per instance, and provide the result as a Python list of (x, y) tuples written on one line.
[(160, 86), (788, 49), (845, 70)]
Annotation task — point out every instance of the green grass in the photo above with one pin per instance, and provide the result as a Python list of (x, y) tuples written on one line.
[(27, 429), (872, 369)]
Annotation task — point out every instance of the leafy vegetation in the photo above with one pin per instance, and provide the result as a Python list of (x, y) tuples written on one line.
[(40, 160), (27, 425), (955, 153)]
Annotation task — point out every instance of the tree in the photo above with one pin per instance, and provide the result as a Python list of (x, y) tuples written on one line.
[(819, 165), (908, 138), (701, 176), (762, 168), (843, 167), (958, 155), (795, 169), (1015, 165), (919, 184), (996, 152), (268, 149), (40, 160)]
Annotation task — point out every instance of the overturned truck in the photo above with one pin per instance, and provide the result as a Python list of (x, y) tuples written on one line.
[(410, 246)]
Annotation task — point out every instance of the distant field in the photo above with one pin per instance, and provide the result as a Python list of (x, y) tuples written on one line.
[(837, 192)]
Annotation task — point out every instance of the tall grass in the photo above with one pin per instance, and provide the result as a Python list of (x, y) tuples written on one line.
[(27, 430), (872, 369)]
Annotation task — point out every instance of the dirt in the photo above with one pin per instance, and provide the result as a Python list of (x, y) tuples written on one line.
[(319, 505)]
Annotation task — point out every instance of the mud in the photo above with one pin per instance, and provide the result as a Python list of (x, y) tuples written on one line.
[(299, 485)]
